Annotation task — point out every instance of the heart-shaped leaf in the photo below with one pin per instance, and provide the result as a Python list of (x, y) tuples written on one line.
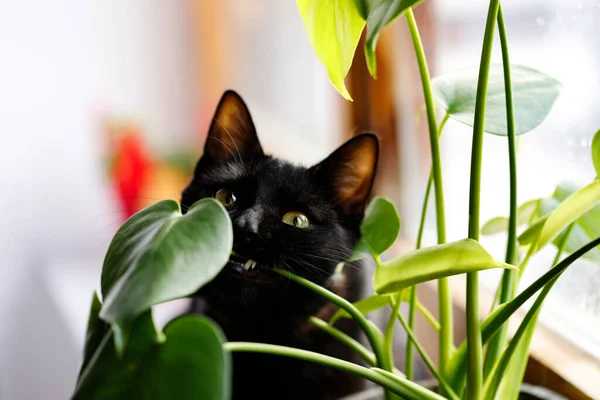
[(596, 152), (381, 225), (434, 262), (159, 255), (382, 13), (189, 362), (334, 28), (534, 95)]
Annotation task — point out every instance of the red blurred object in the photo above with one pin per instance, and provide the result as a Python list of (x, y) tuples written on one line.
[(132, 166)]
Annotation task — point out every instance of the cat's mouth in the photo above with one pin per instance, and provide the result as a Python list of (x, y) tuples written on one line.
[(245, 267)]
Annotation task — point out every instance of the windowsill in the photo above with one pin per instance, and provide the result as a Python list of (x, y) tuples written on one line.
[(567, 368)]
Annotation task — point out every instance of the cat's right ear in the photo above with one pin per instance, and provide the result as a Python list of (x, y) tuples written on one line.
[(232, 135)]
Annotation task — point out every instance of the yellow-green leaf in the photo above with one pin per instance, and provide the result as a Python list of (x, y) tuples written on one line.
[(334, 28), (434, 262), (527, 211), (596, 152), (568, 212), (495, 225)]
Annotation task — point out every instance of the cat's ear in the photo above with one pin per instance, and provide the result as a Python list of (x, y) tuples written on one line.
[(232, 135), (349, 172)]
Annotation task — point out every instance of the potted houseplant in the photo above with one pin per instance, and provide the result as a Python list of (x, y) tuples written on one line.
[(127, 357)]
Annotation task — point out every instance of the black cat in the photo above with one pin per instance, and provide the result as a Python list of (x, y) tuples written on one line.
[(305, 220)]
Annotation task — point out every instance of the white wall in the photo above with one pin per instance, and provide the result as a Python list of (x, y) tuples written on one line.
[(63, 65)]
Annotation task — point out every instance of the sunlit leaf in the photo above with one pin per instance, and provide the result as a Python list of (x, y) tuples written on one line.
[(596, 152), (382, 13), (159, 255), (334, 28), (188, 362), (434, 262), (527, 211), (456, 369), (495, 225), (534, 95), (568, 212)]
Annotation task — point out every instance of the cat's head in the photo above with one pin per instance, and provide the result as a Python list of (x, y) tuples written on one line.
[(305, 220)]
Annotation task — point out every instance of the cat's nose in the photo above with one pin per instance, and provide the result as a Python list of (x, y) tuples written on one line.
[(248, 224)]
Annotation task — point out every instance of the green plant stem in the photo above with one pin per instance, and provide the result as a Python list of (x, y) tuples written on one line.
[(474, 345), (528, 323), (352, 343), (413, 303), (339, 301), (397, 384), (509, 277), (427, 359), (500, 316), (388, 341), (444, 298)]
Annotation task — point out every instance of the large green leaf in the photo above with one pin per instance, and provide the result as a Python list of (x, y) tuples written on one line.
[(431, 263), (596, 152), (382, 13), (568, 211), (534, 95), (159, 255), (334, 28), (189, 362), (456, 369)]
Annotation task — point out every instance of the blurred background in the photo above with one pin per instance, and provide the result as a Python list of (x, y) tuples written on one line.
[(104, 106)]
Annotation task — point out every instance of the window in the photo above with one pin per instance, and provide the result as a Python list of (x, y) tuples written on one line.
[(559, 39)]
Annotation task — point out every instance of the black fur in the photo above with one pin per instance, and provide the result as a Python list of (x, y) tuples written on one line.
[(260, 305)]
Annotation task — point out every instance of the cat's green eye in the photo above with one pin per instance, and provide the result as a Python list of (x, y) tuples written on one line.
[(225, 197), (297, 219)]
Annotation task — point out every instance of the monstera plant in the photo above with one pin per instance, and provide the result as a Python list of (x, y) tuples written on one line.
[(155, 255)]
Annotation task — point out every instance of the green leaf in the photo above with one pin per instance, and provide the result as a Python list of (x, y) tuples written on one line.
[(431, 263), (534, 95), (584, 229), (159, 255), (527, 211), (456, 370), (382, 13), (334, 28), (190, 363), (596, 152), (569, 211), (495, 225), (380, 226), (96, 330)]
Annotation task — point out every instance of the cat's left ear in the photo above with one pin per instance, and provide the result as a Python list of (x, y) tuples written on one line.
[(232, 135), (349, 172)]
